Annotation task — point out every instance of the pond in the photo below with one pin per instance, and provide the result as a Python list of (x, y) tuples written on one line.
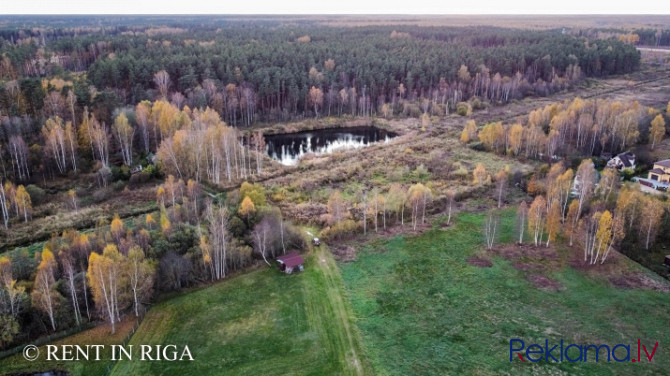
[(288, 148)]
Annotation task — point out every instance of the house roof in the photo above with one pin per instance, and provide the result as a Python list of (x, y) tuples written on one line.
[(627, 158), (291, 259), (657, 171), (664, 163)]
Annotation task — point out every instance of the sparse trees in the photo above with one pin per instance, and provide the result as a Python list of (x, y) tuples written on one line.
[(418, 197), (396, 199)]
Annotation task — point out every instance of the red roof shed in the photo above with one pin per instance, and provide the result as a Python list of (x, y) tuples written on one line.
[(290, 262)]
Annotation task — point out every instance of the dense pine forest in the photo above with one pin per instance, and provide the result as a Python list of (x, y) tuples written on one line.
[(266, 73)]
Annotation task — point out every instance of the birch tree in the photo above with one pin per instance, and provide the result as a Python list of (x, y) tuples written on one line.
[(4, 205), (54, 134), (124, 134), (490, 229), (585, 182), (140, 273), (67, 262), (23, 202), (104, 275), (45, 297), (501, 184), (572, 221), (219, 240), (536, 218), (553, 222), (521, 218), (657, 131), (142, 114), (11, 294), (650, 222)]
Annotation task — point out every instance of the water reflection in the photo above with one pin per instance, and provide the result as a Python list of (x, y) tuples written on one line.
[(289, 148)]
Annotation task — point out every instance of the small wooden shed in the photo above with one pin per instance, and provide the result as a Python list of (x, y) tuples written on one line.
[(291, 262)]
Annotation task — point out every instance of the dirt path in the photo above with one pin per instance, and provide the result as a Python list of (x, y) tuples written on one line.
[(344, 338)]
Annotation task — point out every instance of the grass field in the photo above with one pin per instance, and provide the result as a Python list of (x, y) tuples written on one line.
[(423, 310), (259, 323)]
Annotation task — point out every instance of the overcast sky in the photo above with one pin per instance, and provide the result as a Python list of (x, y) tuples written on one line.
[(334, 7)]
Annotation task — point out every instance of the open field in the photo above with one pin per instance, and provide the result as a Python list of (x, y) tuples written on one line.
[(423, 309), (259, 323)]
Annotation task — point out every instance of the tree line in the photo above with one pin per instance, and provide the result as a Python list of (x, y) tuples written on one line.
[(578, 127), (267, 74)]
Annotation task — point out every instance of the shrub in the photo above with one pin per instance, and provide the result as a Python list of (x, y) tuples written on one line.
[(36, 193), (118, 186), (100, 195), (463, 109), (341, 230)]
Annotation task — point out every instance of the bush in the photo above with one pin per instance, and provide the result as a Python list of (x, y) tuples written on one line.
[(151, 170), (463, 109), (120, 173), (36, 193), (118, 186), (341, 230), (100, 195), (237, 227)]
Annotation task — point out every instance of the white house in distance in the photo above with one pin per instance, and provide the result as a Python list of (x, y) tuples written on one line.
[(622, 161)]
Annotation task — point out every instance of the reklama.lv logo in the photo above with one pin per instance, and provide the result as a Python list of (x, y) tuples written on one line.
[(577, 353)]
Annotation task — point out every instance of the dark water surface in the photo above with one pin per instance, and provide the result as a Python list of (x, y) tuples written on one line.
[(288, 148)]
